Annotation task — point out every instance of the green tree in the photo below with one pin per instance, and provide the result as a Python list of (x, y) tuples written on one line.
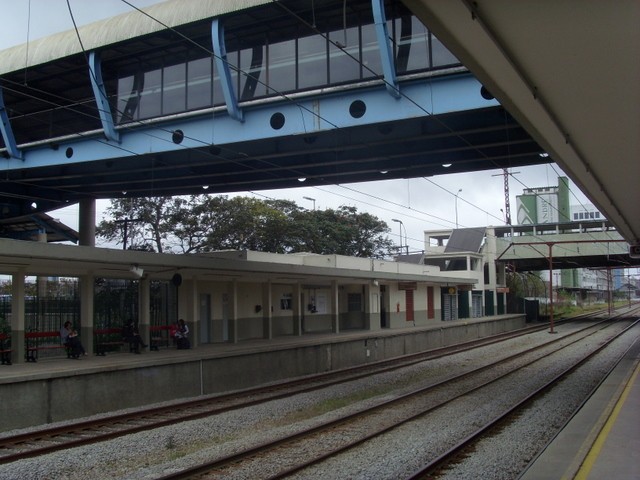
[(203, 223), (138, 223), (343, 231)]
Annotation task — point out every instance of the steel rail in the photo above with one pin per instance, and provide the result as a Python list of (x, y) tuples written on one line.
[(86, 432), (207, 468), (453, 454)]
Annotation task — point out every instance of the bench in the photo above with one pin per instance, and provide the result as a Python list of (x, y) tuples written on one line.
[(5, 349), (160, 336), (109, 338), (42, 341)]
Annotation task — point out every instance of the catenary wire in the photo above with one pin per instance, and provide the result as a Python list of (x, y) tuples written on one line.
[(378, 198)]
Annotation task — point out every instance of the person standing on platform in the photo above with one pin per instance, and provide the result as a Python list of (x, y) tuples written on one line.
[(182, 334)]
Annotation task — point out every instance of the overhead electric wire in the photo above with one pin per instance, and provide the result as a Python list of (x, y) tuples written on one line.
[(356, 200), (314, 28), (238, 70)]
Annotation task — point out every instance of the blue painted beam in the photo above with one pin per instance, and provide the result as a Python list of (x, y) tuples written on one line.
[(7, 132), (100, 94), (222, 65), (386, 56), (313, 115)]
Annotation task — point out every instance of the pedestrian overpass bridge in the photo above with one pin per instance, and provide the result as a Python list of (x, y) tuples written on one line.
[(209, 96), (218, 96), (590, 244)]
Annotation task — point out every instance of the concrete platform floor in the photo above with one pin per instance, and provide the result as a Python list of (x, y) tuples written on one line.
[(602, 441)]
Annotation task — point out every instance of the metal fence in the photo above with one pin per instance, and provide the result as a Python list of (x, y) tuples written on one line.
[(115, 302)]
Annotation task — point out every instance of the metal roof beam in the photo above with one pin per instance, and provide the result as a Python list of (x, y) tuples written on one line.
[(222, 64), (7, 132), (100, 94), (386, 56)]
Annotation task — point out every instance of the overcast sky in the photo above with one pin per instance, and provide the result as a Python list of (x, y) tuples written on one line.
[(421, 204)]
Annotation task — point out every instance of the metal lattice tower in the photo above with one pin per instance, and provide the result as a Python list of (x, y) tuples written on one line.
[(507, 205)]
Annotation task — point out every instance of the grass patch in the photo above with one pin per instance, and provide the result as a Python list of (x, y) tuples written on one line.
[(330, 405)]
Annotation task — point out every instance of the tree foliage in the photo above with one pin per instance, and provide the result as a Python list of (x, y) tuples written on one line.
[(203, 223)]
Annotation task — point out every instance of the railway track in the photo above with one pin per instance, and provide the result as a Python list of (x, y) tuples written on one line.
[(466, 446), (282, 457), (47, 440)]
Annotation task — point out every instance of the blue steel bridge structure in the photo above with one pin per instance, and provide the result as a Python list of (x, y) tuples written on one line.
[(190, 97)]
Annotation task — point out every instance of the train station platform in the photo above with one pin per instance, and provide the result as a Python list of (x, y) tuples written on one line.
[(602, 440), (59, 389)]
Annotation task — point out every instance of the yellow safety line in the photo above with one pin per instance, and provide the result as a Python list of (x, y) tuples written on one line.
[(592, 456)]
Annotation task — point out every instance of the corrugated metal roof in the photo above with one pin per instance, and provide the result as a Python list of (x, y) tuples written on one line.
[(465, 240), (171, 13), (28, 226)]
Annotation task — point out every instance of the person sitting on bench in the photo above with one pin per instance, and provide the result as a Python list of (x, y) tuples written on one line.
[(182, 333), (131, 334), (71, 341)]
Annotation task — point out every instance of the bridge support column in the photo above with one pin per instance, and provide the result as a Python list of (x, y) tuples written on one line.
[(87, 222)]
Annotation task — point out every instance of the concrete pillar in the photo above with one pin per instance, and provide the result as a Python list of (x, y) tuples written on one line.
[(335, 310), (372, 307), (233, 312), (144, 314), (267, 310), (193, 311), (41, 285), (86, 310), (87, 222), (296, 308), (17, 317)]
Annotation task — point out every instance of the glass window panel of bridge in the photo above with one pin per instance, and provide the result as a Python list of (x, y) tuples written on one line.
[(412, 44), (218, 96), (127, 102), (151, 96), (81, 117), (252, 81), (234, 66), (281, 66), (199, 88), (344, 64), (312, 61), (174, 88), (441, 56), (372, 66)]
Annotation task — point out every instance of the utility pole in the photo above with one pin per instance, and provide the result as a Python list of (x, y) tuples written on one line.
[(507, 203), (125, 229)]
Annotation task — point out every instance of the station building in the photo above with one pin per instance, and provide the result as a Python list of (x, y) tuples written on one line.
[(230, 296)]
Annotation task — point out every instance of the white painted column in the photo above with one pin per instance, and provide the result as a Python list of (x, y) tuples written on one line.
[(335, 308), (233, 312), (17, 317), (144, 305), (86, 310), (296, 307), (267, 314)]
